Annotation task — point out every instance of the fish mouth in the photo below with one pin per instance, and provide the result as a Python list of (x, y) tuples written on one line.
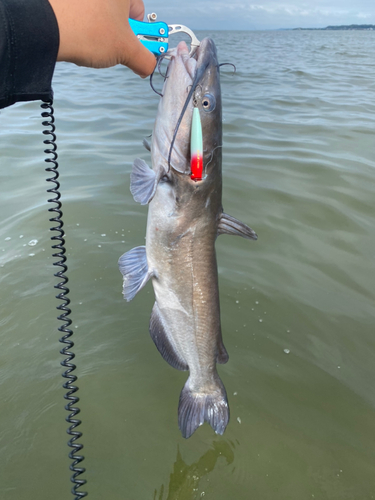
[(197, 63), (206, 54), (188, 62)]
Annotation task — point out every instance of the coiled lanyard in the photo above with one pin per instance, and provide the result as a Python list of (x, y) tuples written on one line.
[(58, 246)]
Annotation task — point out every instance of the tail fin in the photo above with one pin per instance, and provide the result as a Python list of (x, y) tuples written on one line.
[(195, 408)]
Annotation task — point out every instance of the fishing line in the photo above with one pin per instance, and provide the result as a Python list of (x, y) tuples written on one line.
[(59, 245)]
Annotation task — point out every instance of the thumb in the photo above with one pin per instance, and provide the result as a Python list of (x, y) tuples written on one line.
[(137, 57)]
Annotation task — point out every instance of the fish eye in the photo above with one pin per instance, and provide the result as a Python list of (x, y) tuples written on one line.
[(208, 102), (166, 178)]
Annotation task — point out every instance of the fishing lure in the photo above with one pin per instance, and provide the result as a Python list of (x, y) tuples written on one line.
[(196, 147)]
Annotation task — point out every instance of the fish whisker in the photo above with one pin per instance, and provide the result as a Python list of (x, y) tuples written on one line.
[(198, 85), (160, 60), (229, 64), (152, 86)]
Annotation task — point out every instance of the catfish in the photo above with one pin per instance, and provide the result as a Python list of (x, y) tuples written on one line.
[(185, 216)]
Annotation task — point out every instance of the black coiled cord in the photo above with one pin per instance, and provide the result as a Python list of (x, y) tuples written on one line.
[(59, 246)]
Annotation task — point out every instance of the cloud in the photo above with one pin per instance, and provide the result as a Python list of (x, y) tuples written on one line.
[(265, 14)]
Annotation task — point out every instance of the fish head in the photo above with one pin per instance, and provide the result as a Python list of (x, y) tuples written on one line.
[(191, 81)]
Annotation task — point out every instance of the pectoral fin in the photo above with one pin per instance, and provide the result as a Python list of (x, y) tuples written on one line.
[(144, 181), (231, 225), (163, 341), (134, 268)]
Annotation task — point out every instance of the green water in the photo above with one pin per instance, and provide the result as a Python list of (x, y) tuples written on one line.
[(297, 305)]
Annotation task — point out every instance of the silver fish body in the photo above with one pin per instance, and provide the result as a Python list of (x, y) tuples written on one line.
[(184, 219)]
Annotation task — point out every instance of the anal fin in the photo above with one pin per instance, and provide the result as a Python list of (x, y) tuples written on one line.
[(134, 268), (231, 225), (163, 342)]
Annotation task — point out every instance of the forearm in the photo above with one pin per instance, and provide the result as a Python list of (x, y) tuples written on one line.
[(36, 33), (28, 50)]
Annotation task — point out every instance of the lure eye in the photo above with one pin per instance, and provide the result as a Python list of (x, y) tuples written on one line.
[(208, 102)]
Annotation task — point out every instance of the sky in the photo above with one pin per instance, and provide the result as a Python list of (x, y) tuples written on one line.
[(262, 14)]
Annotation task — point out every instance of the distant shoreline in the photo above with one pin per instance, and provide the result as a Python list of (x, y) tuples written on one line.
[(351, 27)]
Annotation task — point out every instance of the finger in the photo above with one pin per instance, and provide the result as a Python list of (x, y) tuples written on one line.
[(138, 58), (137, 10)]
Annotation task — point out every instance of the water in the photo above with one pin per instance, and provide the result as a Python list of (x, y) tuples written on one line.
[(297, 305)]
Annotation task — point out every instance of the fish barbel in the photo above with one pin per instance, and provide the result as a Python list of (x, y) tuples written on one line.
[(184, 219)]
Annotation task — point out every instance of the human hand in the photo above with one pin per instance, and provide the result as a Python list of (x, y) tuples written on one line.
[(96, 33)]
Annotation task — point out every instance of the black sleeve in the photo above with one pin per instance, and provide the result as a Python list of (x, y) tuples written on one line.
[(29, 43)]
